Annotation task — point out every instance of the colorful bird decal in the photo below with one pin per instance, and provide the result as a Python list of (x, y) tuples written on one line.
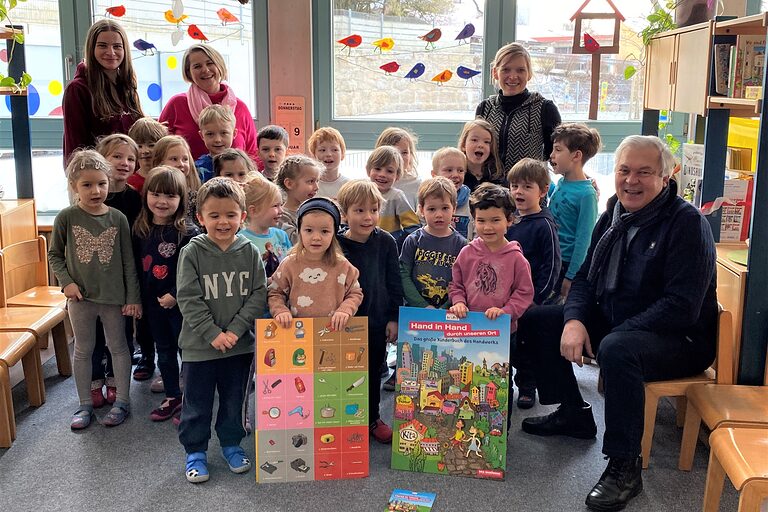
[(226, 17), (467, 74), (442, 77), (390, 67), (350, 42), (176, 36), (116, 11), (144, 47), (432, 37), (590, 44), (170, 18), (195, 33), (383, 45), (467, 32), (416, 71)]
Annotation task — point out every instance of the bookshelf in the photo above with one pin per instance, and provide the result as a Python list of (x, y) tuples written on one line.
[(718, 111)]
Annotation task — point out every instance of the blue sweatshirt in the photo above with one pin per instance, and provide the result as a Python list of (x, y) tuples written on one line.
[(537, 235), (574, 207)]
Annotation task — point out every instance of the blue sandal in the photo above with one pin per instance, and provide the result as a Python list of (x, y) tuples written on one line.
[(236, 458), (81, 419), (196, 470), (116, 414)]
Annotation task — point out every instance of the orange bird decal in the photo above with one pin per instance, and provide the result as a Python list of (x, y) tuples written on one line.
[(390, 67), (226, 17), (383, 45), (170, 18), (116, 11), (432, 37), (196, 33), (442, 77)]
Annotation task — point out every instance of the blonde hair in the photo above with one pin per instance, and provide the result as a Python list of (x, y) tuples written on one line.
[(211, 53), (438, 187), (147, 131), (511, 50), (110, 98), (292, 167), (358, 192), (391, 136), (86, 160), (326, 134), (164, 145), (222, 188), (259, 192), (216, 113), (385, 155), (107, 145), (163, 180), (444, 152), (496, 169), (231, 155)]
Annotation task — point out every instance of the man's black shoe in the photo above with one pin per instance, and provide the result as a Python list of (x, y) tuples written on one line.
[(575, 422), (621, 481)]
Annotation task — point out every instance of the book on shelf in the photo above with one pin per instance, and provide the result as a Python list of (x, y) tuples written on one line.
[(722, 56), (754, 61), (738, 159), (735, 71), (691, 171), (746, 66)]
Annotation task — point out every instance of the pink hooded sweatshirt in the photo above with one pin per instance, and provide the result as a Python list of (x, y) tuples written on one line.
[(483, 279)]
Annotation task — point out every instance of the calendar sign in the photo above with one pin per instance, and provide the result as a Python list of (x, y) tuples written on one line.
[(290, 114)]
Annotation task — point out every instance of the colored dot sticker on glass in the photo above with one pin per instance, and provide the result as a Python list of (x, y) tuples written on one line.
[(55, 87), (3, 55), (154, 92), (172, 62), (33, 100)]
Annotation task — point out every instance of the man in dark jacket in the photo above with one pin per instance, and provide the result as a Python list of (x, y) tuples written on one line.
[(644, 301)]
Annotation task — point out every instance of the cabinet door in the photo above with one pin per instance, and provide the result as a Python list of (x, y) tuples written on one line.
[(694, 51), (658, 74)]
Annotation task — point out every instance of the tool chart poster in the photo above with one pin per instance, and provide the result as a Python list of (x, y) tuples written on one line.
[(451, 394), (311, 400)]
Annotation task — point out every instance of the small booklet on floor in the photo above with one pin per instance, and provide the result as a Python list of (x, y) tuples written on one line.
[(410, 501)]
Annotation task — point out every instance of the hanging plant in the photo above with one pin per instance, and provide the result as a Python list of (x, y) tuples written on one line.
[(659, 20), (18, 38)]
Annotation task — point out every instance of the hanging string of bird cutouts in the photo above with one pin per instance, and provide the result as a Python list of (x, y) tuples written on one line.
[(386, 45)]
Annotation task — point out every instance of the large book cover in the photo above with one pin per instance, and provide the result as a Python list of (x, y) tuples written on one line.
[(754, 60), (403, 500), (451, 394), (691, 171)]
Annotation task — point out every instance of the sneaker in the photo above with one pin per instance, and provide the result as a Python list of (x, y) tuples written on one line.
[(111, 390), (196, 469), (177, 418), (575, 422), (117, 414), (81, 419), (389, 384), (97, 395), (526, 398), (381, 432), (167, 409), (236, 458), (157, 385), (621, 481), (144, 369)]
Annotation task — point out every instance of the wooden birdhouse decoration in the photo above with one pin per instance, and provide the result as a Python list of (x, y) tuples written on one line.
[(585, 43)]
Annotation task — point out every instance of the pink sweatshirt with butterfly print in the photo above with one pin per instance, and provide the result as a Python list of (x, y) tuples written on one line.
[(482, 279)]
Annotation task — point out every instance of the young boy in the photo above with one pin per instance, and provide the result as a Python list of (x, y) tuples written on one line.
[(573, 201), (272, 141), (145, 132), (374, 253), (536, 232), (452, 164), (217, 129), (327, 146), (221, 291)]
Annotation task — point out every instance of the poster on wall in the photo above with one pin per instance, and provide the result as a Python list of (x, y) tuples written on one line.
[(290, 113), (311, 400), (451, 394)]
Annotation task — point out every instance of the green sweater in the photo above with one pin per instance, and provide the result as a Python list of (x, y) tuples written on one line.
[(219, 291), (96, 253)]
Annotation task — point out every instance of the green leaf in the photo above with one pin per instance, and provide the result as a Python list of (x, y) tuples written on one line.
[(7, 82), (629, 72), (653, 17), (19, 38), (3, 12), (26, 79)]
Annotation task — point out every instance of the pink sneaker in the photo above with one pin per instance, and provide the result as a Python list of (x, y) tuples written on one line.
[(381, 432)]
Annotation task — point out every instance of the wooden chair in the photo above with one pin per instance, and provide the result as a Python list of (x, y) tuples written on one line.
[(15, 347), (26, 269), (742, 454), (677, 387)]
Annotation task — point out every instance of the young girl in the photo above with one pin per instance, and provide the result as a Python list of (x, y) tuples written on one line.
[(92, 258), (234, 164), (263, 202), (315, 280), (145, 132), (405, 142), (478, 142), (173, 150), (297, 178), (159, 234), (523, 120)]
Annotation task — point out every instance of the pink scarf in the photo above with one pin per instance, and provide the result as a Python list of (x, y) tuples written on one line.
[(198, 99)]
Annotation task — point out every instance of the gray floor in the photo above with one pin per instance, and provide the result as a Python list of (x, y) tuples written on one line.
[(139, 466)]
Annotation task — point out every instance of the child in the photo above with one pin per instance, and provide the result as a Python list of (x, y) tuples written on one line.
[(145, 132), (159, 234), (523, 120), (332, 290), (405, 142), (173, 150), (491, 274), (297, 177), (536, 232), (327, 146), (220, 291), (573, 201), (217, 129), (263, 202), (478, 142), (273, 143), (384, 168), (374, 253), (92, 258), (452, 164), (234, 164)]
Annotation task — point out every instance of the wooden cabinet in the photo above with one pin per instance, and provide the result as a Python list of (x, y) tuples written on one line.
[(659, 72), (18, 221), (731, 282)]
